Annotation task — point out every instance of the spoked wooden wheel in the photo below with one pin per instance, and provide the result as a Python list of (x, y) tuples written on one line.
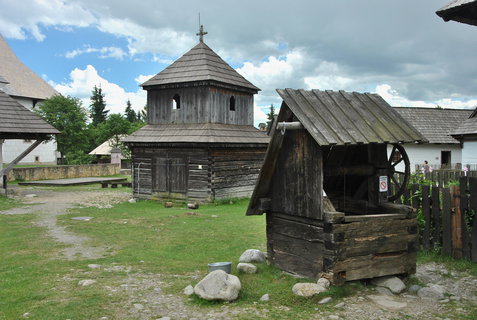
[(398, 179)]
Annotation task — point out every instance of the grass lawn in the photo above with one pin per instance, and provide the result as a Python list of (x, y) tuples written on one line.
[(151, 240)]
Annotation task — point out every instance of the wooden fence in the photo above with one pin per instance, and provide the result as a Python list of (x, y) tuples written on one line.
[(448, 216)]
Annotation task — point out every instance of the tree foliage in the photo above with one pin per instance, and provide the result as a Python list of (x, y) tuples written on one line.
[(68, 116), (97, 108), (130, 114), (270, 116)]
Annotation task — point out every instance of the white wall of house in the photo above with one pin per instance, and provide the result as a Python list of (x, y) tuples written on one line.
[(418, 153), (469, 152), (45, 153)]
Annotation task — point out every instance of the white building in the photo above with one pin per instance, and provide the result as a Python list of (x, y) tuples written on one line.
[(467, 134), (27, 88), (436, 125)]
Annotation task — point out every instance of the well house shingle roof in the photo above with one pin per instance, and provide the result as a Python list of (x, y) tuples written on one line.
[(199, 64), (340, 118), (22, 81), (435, 124), (18, 121), (464, 11)]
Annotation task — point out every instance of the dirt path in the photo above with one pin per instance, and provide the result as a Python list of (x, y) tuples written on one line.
[(48, 205)]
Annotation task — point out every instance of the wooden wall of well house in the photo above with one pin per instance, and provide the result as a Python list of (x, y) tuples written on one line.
[(297, 185), (199, 105)]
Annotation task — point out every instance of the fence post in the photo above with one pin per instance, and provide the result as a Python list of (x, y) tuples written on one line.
[(464, 206), (446, 222), (436, 216), (473, 206), (427, 216), (456, 223)]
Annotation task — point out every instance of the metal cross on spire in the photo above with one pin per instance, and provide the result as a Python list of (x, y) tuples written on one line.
[(201, 33)]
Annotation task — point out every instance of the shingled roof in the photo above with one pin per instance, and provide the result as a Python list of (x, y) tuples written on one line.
[(435, 124), (464, 11), (199, 64), (198, 133), (340, 118), (17, 122), (467, 127), (22, 82)]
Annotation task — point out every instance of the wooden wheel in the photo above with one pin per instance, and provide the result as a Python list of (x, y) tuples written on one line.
[(397, 179)]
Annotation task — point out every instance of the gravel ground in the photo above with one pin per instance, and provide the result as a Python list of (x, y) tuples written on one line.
[(144, 298)]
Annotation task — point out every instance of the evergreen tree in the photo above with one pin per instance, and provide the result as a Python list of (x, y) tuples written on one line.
[(97, 108), (270, 116), (130, 113)]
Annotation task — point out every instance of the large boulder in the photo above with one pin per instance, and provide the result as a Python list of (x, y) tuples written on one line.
[(253, 255), (218, 285), (307, 289)]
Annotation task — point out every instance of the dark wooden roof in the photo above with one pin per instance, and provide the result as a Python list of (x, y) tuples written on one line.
[(468, 126), (464, 11), (339, 117), (21, 80), (198, 133), (435, 124), (17, 122), (199, 64)]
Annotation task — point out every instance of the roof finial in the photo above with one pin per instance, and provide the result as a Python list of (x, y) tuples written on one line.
[(201, 33)]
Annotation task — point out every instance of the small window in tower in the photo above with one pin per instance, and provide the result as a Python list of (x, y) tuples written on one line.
[(232, 103), (176, 102)]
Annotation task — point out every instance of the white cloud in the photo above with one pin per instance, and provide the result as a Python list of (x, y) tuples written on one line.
[(83, 81), (105, 52), (396, 100), (327, 77), (20, 18), (148, 40)]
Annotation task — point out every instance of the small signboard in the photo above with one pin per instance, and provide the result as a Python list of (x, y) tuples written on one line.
[(383, 183)]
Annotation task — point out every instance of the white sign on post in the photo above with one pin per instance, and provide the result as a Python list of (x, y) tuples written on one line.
[(383, 183)]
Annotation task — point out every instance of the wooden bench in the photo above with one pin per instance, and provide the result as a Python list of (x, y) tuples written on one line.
[(115, 184)]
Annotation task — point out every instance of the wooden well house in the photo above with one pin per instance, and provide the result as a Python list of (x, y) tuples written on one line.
[(327, 186), (199, 142)]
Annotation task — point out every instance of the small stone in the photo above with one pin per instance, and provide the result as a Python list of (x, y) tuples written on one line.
[(307, 289), (86, 282), (168, 204), (333, 317), (94, 266), (246, 268), (325, 300), (138, 306), (444, 301), (387, 302), (325, 283), (164, 318), (189, 290), (253, 255), (193, 205), (392, 283), (340, 305), (214, 216), (132, 200), (26, 315), (31, 196), (414, 289), (432, 292), (103, 318), (265, 297), (384, 291)]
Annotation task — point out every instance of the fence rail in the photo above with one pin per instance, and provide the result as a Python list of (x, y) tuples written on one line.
[(447, 216)]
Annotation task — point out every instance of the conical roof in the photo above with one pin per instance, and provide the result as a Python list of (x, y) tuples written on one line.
[(199, 64), (21, 81)]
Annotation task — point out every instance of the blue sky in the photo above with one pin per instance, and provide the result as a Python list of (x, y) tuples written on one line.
[(399, 49)]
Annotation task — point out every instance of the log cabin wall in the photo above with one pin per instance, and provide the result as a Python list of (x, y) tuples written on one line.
[(235, 171), (200, 104)]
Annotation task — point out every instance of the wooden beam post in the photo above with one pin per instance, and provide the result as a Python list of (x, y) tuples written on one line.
[(20, 157)]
